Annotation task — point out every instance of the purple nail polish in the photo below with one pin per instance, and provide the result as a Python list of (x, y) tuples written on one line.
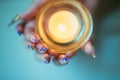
[(42, 50), (64, 60)]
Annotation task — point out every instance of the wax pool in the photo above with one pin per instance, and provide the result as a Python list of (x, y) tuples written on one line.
[(64, 26)]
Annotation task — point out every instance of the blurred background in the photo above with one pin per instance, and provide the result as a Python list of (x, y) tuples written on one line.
[(17, 63)]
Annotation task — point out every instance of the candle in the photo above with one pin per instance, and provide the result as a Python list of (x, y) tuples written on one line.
[(63, 26)]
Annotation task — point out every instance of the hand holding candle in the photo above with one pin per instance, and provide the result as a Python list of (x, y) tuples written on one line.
[(27, 27)]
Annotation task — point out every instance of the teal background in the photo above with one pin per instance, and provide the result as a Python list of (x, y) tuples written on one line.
[(17, 63)]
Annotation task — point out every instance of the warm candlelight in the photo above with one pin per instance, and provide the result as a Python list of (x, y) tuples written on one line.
[(63, 26)]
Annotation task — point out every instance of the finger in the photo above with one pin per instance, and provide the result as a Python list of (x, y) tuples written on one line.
[(32, 37), (55, 55), (88, 48), (63, 59), (29, 32), (52, 53), (41, 47), (30, 27), (30, 13), (20, 28), (29, 45), (32, 10), (44, 58)]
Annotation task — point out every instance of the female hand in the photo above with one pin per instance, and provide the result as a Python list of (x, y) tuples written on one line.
[(32, 40)]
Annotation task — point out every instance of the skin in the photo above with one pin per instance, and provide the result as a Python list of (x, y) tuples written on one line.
[(27, 27)]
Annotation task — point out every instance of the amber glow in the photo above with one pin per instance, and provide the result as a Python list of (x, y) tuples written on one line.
[(63, 26)]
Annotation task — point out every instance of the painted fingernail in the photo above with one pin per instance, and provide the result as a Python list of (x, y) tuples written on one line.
[(20, 29), (63, 59), (33, 48), (19, 33), (29, 45), (36, 40), (32, 37), (45, 58), (15, 19), (89, 49), (93, 55), (41, 48)]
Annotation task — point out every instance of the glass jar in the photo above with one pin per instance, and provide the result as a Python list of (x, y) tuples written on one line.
[(64, 25)]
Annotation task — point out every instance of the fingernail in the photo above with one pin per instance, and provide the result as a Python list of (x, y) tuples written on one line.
[(40, 58), (33, 48), (15, 19), (88, 48), (93, 55), (20, 30), (19, 33), (29, 46), (32, 37), (34, 40), (63, 59), (45, 58), (41, 48)]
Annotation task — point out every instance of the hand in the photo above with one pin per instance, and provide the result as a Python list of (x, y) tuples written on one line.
[(32, 40)]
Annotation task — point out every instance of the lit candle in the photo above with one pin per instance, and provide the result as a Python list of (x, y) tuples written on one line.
[(63, 26)]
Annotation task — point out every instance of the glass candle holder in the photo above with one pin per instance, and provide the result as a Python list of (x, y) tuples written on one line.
[(64, 25)]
